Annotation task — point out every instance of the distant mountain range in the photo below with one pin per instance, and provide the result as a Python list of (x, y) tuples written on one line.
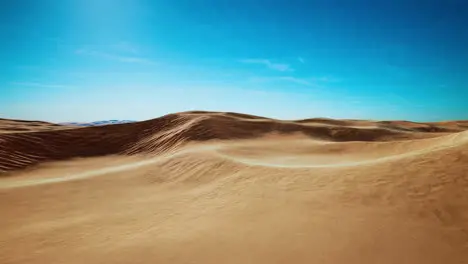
[(97, 123)]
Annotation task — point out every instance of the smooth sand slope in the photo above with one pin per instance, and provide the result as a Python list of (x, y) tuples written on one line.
[(203, 187)]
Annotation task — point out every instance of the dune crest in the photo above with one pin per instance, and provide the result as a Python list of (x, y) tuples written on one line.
[(21, 150)]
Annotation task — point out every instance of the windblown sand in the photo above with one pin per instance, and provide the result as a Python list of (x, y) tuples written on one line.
[(203, 187)]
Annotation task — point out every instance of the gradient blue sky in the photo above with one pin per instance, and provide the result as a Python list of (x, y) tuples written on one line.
[(88, 60)]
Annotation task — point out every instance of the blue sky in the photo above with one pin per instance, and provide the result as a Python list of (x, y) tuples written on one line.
[(88, 60)]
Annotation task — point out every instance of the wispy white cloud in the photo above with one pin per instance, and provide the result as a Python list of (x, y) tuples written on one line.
[(274, 66), (325, 79), (126, 47), (296, 80), (312, 81), (301, 60), (283, 79), (116, 57), (41, 85)]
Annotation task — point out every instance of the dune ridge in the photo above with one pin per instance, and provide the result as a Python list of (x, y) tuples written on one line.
[(21, 150)]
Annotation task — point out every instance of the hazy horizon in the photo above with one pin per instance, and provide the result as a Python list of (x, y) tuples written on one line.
[(208, 111), (83, 61)]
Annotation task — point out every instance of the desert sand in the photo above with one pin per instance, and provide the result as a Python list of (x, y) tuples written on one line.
[(209, 187)]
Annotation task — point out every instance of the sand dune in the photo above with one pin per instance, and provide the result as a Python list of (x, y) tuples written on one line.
[(204, 187), (20, 150), (19, 126)]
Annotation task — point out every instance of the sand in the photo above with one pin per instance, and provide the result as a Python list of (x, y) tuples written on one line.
[(204, 187)]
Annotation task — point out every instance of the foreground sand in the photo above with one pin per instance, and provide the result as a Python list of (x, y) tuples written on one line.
[(229, 188)]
